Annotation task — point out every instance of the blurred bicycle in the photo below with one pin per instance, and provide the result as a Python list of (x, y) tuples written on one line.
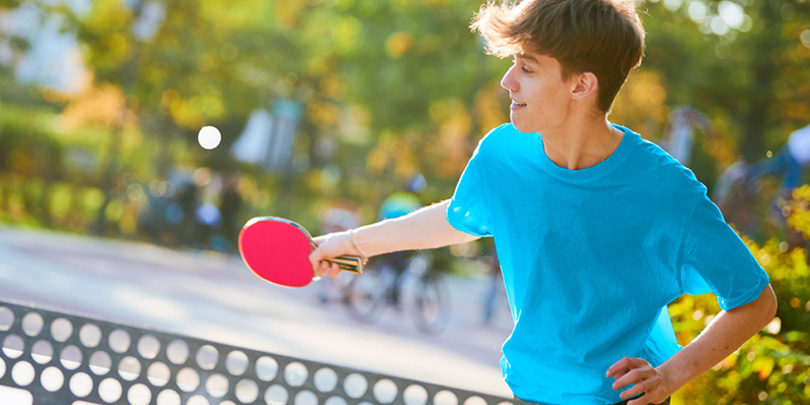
[(380, 287)]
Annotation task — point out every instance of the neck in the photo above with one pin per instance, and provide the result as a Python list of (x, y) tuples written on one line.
[(581, 147)]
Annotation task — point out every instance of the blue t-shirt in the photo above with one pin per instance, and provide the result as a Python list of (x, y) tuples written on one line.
[(592, 257)]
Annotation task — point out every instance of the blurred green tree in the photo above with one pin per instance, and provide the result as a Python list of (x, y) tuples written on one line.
[(742, 62)]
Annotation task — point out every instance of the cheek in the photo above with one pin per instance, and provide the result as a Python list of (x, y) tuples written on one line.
[(548, 91), (551, 100)]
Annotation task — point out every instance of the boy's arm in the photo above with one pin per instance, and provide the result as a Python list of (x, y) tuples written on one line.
[(725, 334), (425, 228)]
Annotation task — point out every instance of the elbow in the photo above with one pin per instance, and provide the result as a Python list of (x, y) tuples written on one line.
[(774, 305), (762, 310), (768, 304)]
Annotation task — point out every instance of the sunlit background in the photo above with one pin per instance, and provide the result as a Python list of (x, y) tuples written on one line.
[(173, 122)]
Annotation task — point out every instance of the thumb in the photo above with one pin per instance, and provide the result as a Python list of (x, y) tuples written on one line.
[(315, 257)]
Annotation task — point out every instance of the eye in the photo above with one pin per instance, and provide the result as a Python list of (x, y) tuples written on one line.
[(520, 63)]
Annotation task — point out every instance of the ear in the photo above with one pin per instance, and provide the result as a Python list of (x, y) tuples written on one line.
[(584, 85)]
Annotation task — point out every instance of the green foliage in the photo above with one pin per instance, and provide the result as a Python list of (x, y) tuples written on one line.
[(29, 148), (773, 367), (755, 75)]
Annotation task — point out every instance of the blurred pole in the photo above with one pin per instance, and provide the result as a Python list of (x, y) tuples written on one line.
[(286, 115), (111, 167)]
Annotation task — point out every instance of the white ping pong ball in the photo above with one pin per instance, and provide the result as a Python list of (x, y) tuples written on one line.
[(209, 137)]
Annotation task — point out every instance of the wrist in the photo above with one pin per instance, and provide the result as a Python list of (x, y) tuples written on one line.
[(363, 257), (674, 376)]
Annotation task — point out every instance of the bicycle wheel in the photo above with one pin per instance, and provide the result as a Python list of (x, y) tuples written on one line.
[(432, 306), (366, 296)]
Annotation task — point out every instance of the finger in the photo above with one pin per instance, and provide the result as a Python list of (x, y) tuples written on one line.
[(619, 373), (642, 400), (334, 270), (638, 388), (620, 366), (626, 363), (323, 268), (315, 264), (623, 366), (634, 377), (315, 261), (318, 269)]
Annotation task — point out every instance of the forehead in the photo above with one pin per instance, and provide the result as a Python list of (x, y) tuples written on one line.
[(536, 59), (533, 57)]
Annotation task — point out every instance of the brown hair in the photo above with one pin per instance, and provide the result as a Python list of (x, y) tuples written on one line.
[(604, 37)]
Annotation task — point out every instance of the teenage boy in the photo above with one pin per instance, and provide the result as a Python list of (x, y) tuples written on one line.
[(597, 229)]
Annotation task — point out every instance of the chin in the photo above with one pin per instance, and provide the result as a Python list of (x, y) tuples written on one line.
[(522, 127)]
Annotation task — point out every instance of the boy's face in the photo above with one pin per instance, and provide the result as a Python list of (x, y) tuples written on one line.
[(540, 98)]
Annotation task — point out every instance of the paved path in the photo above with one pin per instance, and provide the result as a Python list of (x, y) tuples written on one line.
[(215, 297)]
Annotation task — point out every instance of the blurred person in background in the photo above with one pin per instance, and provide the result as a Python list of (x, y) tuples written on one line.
[(395, 205), (680, 131), (186, 203), (208, 224), (734, 197), (493, 285), (788, 164), (740, 181), (337, 216), (597, 229), (230, 202)]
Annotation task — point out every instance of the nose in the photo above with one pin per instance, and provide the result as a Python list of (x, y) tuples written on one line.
[(508, 81)]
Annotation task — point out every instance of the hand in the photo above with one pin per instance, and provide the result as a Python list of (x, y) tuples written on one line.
[(331, 245), (645, 379)]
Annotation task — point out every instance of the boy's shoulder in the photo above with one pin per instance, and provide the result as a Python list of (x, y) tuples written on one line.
[(658, 167), (501, 133), (661, 160)]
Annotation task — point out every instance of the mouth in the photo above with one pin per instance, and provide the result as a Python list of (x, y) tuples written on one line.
[(516, 103)]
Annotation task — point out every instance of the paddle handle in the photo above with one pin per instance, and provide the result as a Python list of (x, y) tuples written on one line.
[(352, 264)]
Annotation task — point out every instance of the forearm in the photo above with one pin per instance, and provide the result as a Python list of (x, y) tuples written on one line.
[(426, 228), (726, 333)]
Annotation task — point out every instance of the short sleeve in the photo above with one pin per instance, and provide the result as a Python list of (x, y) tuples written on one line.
[(715, 259), (468, 210)]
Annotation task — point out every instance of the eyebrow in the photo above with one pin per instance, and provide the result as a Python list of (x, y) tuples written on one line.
[(526, 57)]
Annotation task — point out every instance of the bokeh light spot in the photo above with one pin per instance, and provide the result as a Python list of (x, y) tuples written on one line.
[(209, 137)]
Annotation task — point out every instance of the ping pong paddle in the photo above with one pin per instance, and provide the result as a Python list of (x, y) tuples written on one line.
[(277, 250)]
